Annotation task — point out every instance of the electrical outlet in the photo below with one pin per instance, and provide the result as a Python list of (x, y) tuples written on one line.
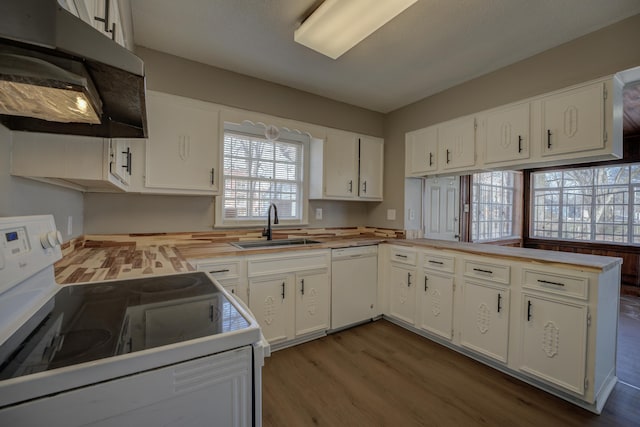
[(318, 213), (412, 214), (69, 225), (391, 214)]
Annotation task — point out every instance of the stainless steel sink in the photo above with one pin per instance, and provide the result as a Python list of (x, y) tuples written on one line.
[(253, 244)]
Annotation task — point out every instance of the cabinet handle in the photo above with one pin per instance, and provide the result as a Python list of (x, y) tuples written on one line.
[(213, 176), (283, 290), (430, 159), (448, 155), (351, 186), (436, 262), (401, 256), (528, 310), (426, 279), (211, 312), (364, 186), (104, 20), (480, 270), (547, 282), (302, 287), (519, 143), (499, 302), (113, 31), (409, 279), (127, 167), (225, 270), (548, 138)]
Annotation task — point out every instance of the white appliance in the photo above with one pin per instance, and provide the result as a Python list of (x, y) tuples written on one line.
[(354, 285), (165, 350)]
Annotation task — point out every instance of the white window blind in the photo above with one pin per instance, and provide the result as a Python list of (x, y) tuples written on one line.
[(258, 172)]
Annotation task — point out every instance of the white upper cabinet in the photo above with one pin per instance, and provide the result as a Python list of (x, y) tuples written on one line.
[(182, 152), (421, 151), (341, 160), (371, 166), (103, 15), (456, 140), (347, 166), (505, 133), (573, 121), (570, 126)]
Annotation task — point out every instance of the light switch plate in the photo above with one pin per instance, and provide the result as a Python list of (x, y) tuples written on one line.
[(391, 214), (318, 213), (412, 214)]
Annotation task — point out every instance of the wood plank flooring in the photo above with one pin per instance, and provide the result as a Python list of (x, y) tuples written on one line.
[(629, 341), (379, 374)]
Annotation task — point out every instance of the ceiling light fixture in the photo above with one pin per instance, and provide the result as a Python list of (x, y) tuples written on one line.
[(338, 25)]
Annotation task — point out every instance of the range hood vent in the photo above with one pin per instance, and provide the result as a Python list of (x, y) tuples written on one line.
[(60, 75)]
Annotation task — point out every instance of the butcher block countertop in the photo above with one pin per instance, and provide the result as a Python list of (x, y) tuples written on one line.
[(109, 257), (124, 256), (553, 258)]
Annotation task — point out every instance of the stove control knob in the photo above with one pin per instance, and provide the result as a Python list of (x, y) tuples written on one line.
[(51, 239)]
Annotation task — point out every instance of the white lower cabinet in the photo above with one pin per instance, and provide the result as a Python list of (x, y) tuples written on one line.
[(290, 295), (312, 302), (548, 320), (436, 304), (554, 338), (485, 322), (402, 296), (436, 294), (271, 302)]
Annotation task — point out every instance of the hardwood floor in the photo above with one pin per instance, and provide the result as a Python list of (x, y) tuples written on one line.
[(629, 341), (379, 374)]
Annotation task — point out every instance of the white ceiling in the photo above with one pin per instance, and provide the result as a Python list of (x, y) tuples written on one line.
[(433, 45)]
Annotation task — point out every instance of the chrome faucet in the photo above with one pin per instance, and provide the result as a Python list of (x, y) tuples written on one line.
[(267, 231)]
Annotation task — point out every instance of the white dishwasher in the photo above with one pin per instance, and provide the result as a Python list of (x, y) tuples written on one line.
[(354, 285)]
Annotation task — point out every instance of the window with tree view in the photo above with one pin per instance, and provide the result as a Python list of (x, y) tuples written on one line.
[(493, 207), (259, 171), (600, 204)]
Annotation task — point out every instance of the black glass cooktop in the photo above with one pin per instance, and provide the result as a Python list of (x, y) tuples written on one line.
[(83, 323)]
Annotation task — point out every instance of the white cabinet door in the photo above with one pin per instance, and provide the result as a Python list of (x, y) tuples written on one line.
[(371, 166), (507, 134), (341, 165), (436, 304), (402, 298), (485, 321), (573, 121), (182, 149), (312, 302), (456, 140), (271, 301), (121, 159), (421, 151), (554, 341)]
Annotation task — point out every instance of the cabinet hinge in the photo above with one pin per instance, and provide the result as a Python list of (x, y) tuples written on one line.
[(588, 319), (586, 383)]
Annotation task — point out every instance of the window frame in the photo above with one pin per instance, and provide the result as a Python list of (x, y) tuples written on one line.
[(632, 189), (516, 217), (258, 131)]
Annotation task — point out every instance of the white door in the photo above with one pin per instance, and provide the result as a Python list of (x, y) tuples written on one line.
[(442, 208), (437, 304), (554, 341), (485, 322), (402, 300), (371, 166), (456, 140), (269, 300), (341, 165), (312, 302)]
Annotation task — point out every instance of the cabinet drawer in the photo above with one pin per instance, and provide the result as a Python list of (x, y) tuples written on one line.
[(223, 270), (482, 270), (560, 284), (404, 256), (439, 262)]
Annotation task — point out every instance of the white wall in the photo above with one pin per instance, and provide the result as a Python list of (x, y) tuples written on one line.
[(20, 196)]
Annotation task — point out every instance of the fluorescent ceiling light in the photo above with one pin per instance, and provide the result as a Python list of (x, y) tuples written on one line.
[(338, 25), (31, 87)]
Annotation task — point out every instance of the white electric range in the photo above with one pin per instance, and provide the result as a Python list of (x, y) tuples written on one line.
[(165, 350)]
